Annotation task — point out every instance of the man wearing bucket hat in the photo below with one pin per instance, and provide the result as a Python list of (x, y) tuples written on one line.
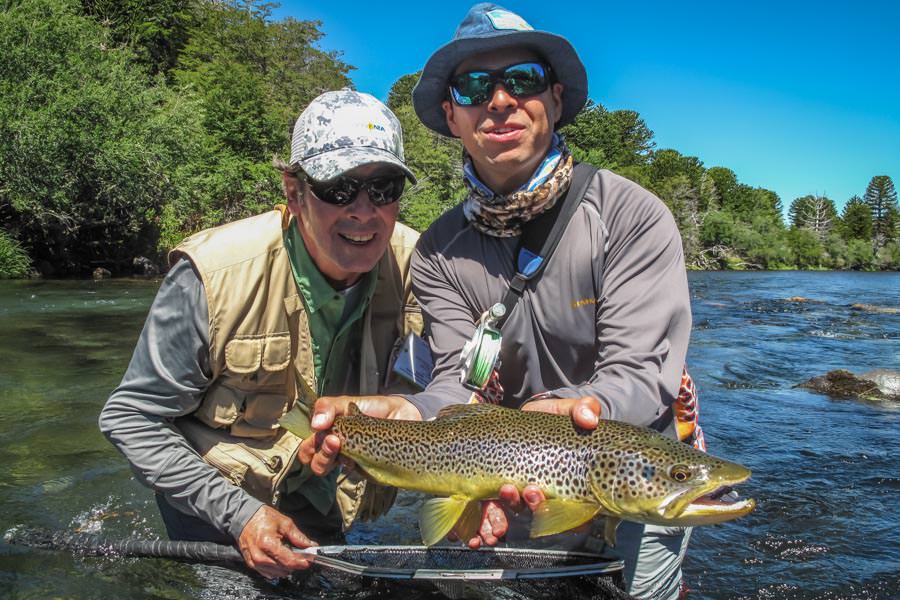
[(266, 313), (602, 329)]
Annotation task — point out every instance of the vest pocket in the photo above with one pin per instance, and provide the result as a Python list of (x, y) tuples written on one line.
[(251, 393), (257, 466)]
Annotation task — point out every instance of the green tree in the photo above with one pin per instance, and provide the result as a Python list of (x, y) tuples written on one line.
[(401, 91), (609, 139), (252, 77), (155, 30), (881, 198), (856, 220)]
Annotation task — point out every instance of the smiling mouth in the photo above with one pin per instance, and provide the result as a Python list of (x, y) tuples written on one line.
[(358, 239), (503, 133)]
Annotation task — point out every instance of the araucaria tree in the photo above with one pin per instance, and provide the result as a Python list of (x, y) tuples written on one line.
[(882, 200)]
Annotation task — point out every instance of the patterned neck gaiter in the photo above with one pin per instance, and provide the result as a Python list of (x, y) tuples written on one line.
[(504, 216)]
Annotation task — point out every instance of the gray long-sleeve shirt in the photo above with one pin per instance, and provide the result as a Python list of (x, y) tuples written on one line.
[(167, 376), (609, 316)]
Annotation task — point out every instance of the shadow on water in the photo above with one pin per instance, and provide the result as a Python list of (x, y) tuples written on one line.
[(826, 472)]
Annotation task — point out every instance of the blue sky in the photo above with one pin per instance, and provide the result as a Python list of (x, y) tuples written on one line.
[(797, 97)]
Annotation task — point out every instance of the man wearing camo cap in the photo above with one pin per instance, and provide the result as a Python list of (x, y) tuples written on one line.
[(269, 312)]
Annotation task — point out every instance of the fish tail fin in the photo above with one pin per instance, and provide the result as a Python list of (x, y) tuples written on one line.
[(296, 421), (439, 515)]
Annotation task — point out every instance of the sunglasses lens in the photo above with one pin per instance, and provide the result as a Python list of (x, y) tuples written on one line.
[(384, 190), (340, 192), (471, 88), (525, 80)]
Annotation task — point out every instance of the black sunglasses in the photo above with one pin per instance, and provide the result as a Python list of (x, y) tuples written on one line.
[(520, 80), (342, 190)]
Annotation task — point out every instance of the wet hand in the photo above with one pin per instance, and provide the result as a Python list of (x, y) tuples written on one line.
[(585, 411), (263, 544), (494, 519), (321, 451)]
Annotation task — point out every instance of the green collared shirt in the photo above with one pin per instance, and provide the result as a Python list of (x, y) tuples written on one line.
[(335, 325)]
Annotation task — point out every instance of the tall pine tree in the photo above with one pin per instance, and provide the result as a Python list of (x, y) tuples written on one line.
[(856, 220), (882, 200)]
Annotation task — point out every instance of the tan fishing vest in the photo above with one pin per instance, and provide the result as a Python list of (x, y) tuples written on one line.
[(261, 356)]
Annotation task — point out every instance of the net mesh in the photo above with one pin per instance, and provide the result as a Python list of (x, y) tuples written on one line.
[(455, 573)]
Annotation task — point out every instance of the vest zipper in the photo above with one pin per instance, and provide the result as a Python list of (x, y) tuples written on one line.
[(273, 464)]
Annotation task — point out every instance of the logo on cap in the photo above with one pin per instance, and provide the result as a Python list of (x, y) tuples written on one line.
[(503, 19), (376, 126)]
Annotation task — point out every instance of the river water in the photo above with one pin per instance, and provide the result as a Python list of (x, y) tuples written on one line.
[(826, 472)]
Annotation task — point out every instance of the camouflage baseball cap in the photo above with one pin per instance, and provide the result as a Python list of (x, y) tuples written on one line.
[(345, 129)]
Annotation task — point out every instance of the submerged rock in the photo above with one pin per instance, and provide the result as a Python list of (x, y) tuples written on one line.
[(873, 386), (887, 310)]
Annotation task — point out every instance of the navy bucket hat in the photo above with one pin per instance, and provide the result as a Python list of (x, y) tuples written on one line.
[(491, 27)]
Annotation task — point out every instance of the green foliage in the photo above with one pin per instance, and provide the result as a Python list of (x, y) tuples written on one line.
[(401, 91), (609, 139), (881, 198), (856, 220), (87, 146), (806, 246), (437, 163), (14, 261), (155, 30), (126, 125)]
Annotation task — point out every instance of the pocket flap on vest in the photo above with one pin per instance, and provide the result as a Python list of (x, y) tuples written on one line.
[(276, 354), (243, 355), (272, 352)]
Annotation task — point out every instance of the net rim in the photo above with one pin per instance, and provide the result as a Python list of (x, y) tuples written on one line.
[(596, 564)]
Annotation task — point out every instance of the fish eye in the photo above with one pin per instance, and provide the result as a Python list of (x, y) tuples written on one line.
[(680, 473)]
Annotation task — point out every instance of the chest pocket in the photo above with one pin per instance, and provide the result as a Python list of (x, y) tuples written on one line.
[(253, 392)]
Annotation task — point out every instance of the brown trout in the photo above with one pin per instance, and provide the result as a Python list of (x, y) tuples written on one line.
[(468, 452)]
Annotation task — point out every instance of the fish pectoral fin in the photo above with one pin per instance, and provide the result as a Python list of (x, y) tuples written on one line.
[(556, 515), (296, 421), (609, 530), (470, 522), (439, 515)]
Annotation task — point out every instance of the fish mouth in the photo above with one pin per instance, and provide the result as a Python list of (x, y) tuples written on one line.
[(722, 503)]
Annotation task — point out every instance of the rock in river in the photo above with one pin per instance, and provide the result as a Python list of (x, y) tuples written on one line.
[(874, 386)]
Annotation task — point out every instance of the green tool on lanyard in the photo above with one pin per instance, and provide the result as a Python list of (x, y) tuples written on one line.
[(481, 354)]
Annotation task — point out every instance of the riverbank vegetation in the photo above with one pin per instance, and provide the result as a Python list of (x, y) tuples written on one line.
[(127, 124)]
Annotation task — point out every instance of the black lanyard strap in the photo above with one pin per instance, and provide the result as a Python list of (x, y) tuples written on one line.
[(541, 236)]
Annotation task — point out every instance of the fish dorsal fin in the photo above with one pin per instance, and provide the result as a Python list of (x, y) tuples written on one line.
[(353, 410), (475, 408)]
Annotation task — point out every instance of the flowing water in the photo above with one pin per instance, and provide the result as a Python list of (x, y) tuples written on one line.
[(826, 472)]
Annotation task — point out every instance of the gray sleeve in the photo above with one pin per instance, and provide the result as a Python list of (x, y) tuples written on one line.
[(643, 314), (165, 379), (450, 324)]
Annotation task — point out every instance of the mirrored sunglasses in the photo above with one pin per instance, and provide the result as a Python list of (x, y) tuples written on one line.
[(520, 80), (342, 190)]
